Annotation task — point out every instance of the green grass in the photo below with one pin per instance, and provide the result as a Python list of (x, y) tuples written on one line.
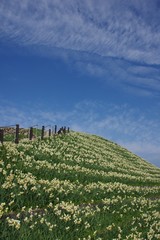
[(77, 186)]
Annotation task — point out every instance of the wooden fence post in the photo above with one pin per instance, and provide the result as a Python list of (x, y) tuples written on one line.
[(31, 133), (68, 129), (55, 130), (42, 133), (1, 136), (49, 132), (17, 134)]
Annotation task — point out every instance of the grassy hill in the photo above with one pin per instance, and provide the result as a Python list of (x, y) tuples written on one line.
[(77, 187)]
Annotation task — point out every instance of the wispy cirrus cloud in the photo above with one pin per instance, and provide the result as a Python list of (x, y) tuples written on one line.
[(136, 78), (112, 38), (110, 29)]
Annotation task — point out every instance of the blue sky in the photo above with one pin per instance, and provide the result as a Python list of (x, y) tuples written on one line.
[(93, 66)]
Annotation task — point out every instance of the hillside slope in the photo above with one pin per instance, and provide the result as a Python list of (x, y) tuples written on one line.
[(77, 186)]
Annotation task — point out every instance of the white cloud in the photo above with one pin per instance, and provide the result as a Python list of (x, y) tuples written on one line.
[(144, 70), (91, 68), (110, 28), (101, 39), (143, 80)]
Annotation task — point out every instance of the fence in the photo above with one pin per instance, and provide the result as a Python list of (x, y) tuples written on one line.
[(15, 133)]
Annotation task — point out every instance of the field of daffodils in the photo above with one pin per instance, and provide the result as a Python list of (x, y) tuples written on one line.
[(77, 187)]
